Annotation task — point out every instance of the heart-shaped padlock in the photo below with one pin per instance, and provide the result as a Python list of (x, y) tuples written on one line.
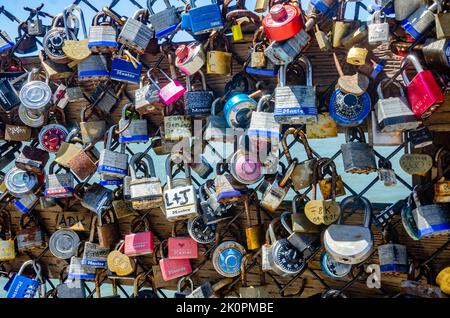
[(120, 263)]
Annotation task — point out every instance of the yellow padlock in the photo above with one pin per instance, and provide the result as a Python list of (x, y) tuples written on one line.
[(236, 30), (443, 280), (357, 56), (218, 62)]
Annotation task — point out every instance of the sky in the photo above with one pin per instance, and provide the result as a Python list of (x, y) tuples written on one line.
[(124, 7)]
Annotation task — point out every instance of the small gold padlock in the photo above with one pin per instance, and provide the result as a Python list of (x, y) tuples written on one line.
[(357, 56), (218, 62), (253, 233)]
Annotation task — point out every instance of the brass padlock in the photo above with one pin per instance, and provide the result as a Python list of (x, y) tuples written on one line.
[(327, 166), (442, 187), (253, 233), (357, 56), (218, 62)]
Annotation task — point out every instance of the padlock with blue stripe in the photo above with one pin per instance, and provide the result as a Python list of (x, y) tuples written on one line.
[(23, 286)]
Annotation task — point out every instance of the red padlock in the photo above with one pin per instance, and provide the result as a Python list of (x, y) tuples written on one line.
[(283, 22), (424, 94), (173, 268), (140, 243), (181, 247)]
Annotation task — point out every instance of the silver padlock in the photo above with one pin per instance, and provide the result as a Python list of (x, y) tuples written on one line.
[(102, 35), (110, 162), (164, 22), (378, 29), (135, 34), (35, 95), (59, 185), (93, 68), (282, 53), (136, 131)]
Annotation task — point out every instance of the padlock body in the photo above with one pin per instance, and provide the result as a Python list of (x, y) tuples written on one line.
[(137, 244), (182, 248), (174, 268)]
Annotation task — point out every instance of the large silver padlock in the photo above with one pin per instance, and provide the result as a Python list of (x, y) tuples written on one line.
[(137, 128), (180, 197), (59, 185), (35, 95), (394, 114), (357, 155), (110, 162), (378, 29), (350, 244), (135, 34), (419, 21), (164, 22), (263, 126), (295, 104), (102, 35), (146, 192), (93, 68)]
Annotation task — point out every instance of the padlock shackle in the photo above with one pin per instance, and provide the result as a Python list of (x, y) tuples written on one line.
[(298, 198), (138, 13), (264, 100), (270, 234), (244, 263), (321, 164), (169, 160), (73, 18), (133, 165), (411, 58), (282, 75), (181, 282), (72, 8), (309, 69), (289, 131), (284, 223), (355, 133), (386, 80), (213, 105), (305, 143), (368, 209)]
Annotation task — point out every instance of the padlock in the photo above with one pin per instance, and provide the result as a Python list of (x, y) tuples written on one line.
[(442, 280), (199, 163), (180, 197), (7, 247), (65, 95), (227, 258), (327, 166), (93, 68), (357, 56), (19, 182), (24, 287), (106, 97), (283, 258), (378, 29), (394, 114), (258, 291), (32, 159), (120, 263), (411, 288), (238, 109), (442, 24), (76, 50), (94, 255), (302, 176), (139, 242), (147, 100), (144, 293), (283, 22), (333, 268), (355, 37), (404, 8), (164, 22), (25, 44), (52, 135), (205, 290), (5, 43), (295, 104), (325, 127), (355, 84), (203, 19), (69, 288), (300, 223), (190, 58), (216, 127), (108, 233), (253, 233), (420, 20), (29, 236), (54, 40), (180, 293), (91, 131), (198, 102), (431, 219), (35, 26), (261, 7), (170, 92), (135, 34), (436, 53), (9, 97), (340, 26), (379, 138), (27, 202), (323, 6), (17, 133), (420, 137), (59, 185), (322, 39), (177, 128), (201, 232), (81, 161), (64, 243), (393, 256), (357, 155), (136, 131), (94, 197), (102, 35), (424, 94), (350, 244), (8, 154), (35, 95), (267, 263), (218, 62), (125, 67), (110, 162), (285, 52), (322, 211), (386, 173), (263, 126), (415, 163), (146, 192), (181, 247), (275, 192), (212, 211), (442, 186), (349, 110), (245, 167), (173, 268), (306, 244), (228, 189)]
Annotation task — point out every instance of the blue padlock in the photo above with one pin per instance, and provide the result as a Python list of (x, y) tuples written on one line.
[(124, 70), (326, 7), (202, 19), (227, 258), (238, 109), (349, 110), (23, 286)]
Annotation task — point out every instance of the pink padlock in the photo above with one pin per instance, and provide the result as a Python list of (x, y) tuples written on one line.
[(173, 268), (182, 247), (172, 91), (245, 168), (139, 243)]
